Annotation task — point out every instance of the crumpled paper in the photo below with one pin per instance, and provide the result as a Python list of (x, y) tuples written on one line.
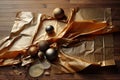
[(81, 40), (98, 49)]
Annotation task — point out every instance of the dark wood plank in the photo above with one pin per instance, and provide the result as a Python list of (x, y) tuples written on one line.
[(32, 1), (116, 14), (95, 1)]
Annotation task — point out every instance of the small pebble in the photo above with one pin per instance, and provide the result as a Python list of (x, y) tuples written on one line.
[(46, 73)]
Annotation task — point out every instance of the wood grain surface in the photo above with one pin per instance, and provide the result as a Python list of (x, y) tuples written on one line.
[(8, 10)]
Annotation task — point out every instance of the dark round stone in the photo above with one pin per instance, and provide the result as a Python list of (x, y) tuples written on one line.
[(51, 54), (58, 13), (49, 29), (32, 50), (43, 45)]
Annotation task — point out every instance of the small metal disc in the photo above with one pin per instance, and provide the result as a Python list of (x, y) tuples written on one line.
[(36, 70), (45, 64)]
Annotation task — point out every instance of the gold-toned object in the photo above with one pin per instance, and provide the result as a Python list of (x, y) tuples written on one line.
[(33, 50), (36, 70), (58, 13)]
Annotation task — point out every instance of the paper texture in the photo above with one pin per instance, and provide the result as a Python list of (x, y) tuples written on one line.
[(100, 49), (78, 46)]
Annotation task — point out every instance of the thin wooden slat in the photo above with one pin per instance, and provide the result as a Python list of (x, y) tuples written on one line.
[(116, 22), (14, 10), (6, 25), (95, 1), (4, 19), (4, 14), (33, 1), (116, 14), (117, 44), (10, 6), (116, 40), (37, 9), (83, 5), (4, 33), (37, 5)]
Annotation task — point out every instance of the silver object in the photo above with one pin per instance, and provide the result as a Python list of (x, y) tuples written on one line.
[(45, 64), (36, 70)]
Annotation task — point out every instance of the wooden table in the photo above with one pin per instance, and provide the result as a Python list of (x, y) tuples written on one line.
[(8, 10)]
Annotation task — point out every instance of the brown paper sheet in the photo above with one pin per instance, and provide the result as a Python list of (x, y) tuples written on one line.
[(96, 50), (29, 29)]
